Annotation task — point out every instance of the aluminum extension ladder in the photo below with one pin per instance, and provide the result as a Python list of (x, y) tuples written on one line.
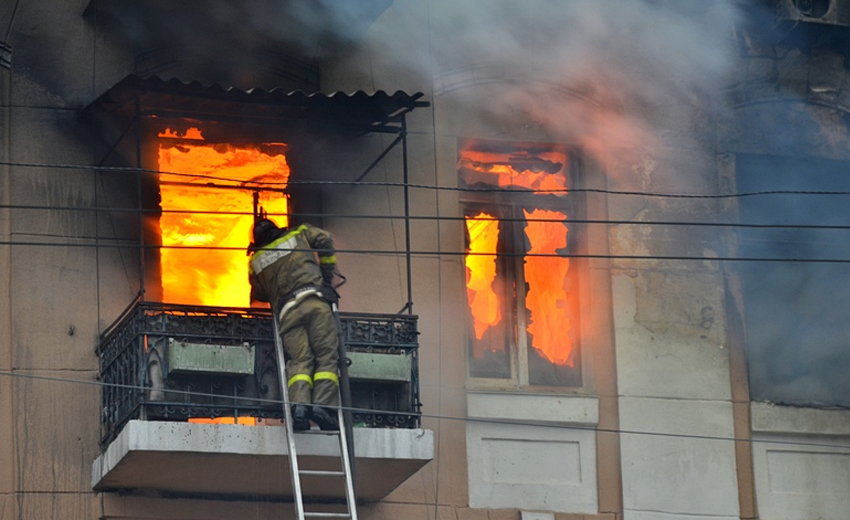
[(295, 470)]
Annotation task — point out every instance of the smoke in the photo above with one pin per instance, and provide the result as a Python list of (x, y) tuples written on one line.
[(790, 121), (233, 42), (602, 74), (797, 314), (596, 73)]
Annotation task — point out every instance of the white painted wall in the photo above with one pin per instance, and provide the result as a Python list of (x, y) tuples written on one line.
[(801, 462), (513, 464), (675, 393)]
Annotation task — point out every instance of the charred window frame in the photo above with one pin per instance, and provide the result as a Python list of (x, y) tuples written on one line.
[(506, 354)]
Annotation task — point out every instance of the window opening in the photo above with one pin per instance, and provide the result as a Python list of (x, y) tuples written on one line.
[(546, 298), (202, 209), (796, 316), (486, 290), (521, 295)]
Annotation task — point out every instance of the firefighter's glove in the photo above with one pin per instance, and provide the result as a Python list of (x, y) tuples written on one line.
[(329, 294), (328, 274)]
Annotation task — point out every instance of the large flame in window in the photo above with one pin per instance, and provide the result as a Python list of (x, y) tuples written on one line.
[(542, 171), (486, 310), (546, 277), (199, 217)]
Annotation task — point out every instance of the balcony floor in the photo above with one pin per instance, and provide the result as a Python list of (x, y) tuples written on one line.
[(186, 459)]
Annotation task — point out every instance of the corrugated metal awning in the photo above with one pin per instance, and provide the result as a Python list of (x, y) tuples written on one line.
[(153, 97)]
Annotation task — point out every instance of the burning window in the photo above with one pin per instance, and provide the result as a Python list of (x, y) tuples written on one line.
[(520, 288), (207, 194)]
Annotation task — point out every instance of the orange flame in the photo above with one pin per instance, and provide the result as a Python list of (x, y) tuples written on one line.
[(540, 172), (213, 276), (246, 421), (547, 299), (191, 133), (481, 272)]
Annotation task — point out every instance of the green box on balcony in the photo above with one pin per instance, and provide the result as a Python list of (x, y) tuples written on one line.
[(206, 358), (366, 366)]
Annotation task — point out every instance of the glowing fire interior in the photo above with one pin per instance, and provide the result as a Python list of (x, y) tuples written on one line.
[(481, 273), (546, 299), (546, 276), (541, 172), (199, 218)]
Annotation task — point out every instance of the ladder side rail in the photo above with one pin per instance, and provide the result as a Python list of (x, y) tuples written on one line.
[(346, 467), (290, 434), (346, 421)]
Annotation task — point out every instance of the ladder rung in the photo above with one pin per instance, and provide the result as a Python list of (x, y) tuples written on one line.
[(321, 473), (319, 432), (326, 515)]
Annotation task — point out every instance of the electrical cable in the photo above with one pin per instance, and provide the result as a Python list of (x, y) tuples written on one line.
[(437, 253), (432, 70), (250, 185), (543, 424), (429, 218), (12, 20)]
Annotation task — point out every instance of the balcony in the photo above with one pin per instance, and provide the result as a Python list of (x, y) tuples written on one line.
[(174, 376)]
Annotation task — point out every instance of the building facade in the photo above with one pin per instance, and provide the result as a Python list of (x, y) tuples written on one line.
[(618, 227)]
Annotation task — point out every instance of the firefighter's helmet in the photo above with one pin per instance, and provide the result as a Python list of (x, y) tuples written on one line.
[(264, 232)]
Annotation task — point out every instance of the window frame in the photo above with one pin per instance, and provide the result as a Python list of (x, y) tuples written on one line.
[(309, 198), (512, 202)]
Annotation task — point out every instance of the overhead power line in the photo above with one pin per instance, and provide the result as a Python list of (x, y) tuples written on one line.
[(386, 252), (429, 218), (542, 424), (259, 185)]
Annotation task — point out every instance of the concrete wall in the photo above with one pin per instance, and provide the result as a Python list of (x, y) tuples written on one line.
[(550, 466), (49, 294), (673, 372), (6, 383), (801, 461)]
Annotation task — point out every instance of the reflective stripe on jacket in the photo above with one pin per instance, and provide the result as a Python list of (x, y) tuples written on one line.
[(289, 262)]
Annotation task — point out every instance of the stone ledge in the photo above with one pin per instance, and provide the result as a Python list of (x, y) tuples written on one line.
[(546, 408), (770, 418), (185, 459)]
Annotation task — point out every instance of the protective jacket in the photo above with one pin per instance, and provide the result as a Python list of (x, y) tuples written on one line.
[(288, 263), (285, 273)]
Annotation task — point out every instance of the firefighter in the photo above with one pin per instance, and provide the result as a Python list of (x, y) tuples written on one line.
[(284, 271)]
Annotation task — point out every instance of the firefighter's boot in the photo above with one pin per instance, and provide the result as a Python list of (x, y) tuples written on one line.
[(300, 417), (325, 418)]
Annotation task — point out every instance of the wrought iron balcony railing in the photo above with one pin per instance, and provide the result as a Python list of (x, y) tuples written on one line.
[(163, 361)]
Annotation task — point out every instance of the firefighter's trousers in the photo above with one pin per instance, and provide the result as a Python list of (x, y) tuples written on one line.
[(309, 336)]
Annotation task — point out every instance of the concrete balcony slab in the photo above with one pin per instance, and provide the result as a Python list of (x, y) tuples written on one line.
[(185, 459)]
